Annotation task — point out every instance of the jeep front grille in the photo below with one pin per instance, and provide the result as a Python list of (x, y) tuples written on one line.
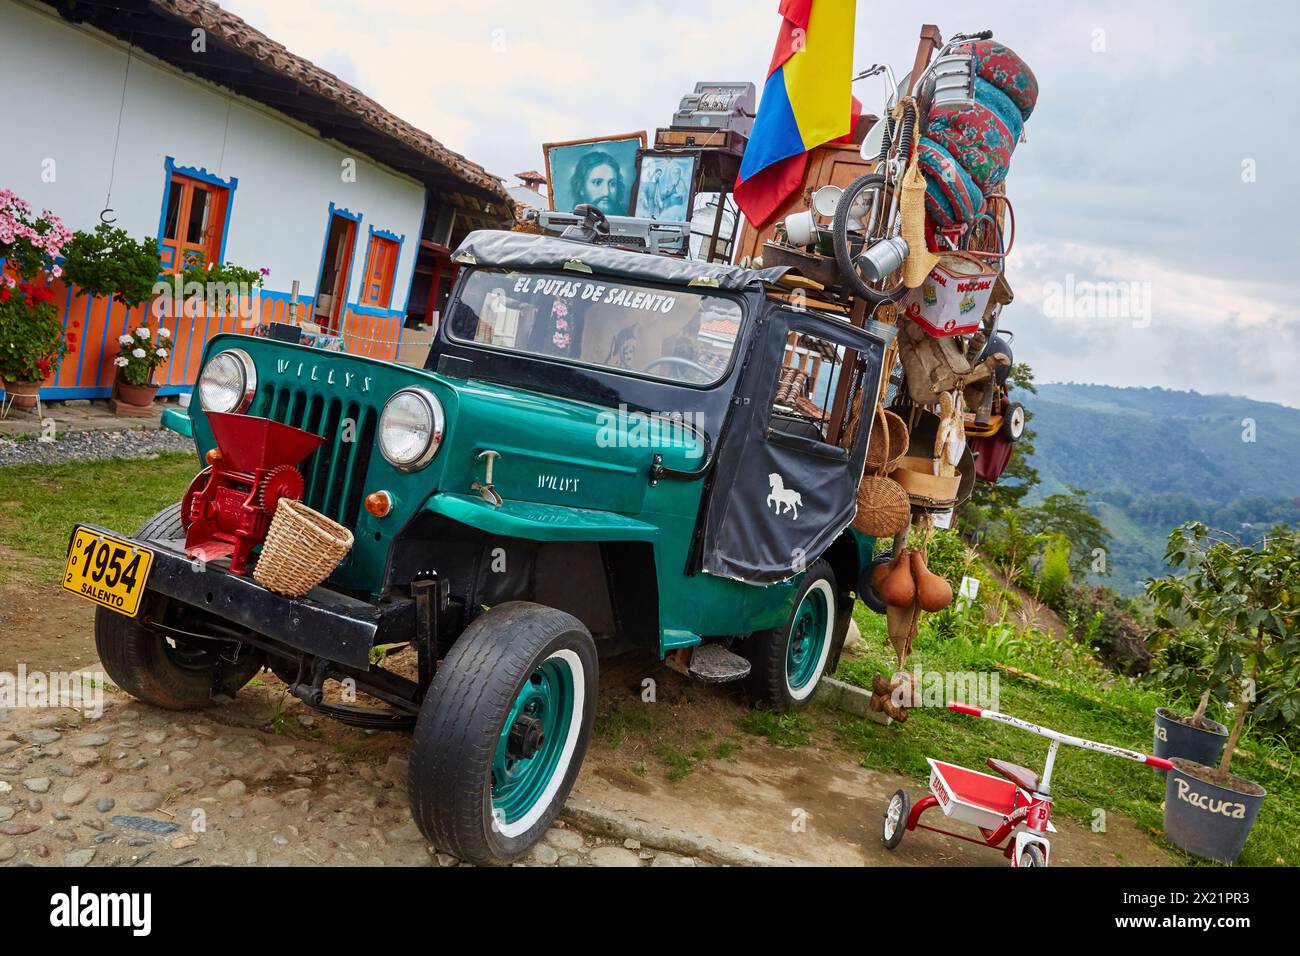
[(334, 475)]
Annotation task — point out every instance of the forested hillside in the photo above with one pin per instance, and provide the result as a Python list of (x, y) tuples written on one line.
[(1153, 458)]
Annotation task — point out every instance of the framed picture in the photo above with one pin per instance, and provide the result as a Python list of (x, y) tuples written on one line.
[(665, 184), (598, 171)]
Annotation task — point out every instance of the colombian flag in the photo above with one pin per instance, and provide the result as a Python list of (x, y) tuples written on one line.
[(806, 102)]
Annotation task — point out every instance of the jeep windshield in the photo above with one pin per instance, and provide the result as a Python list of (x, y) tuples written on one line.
[(667, 333)]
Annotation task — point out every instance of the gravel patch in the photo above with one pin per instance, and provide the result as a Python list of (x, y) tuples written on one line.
[(93, 446)]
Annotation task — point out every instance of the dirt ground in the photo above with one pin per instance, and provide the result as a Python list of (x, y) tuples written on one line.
[(811, 802), (280, 785)]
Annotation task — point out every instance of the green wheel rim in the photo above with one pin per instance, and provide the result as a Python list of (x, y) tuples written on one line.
[(808, 635), (519, 782)]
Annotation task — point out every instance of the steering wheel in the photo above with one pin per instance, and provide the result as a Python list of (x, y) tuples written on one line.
[(702, 374)]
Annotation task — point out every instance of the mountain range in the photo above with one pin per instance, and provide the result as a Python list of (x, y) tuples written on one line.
[(1153, 458)]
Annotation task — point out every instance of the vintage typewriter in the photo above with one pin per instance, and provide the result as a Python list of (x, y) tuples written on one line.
[(655, 236)]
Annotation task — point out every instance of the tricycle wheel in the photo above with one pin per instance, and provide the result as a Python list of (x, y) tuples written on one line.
[(788, 662), (896, 811), (502, 732), (165, 672), (1032, 855)]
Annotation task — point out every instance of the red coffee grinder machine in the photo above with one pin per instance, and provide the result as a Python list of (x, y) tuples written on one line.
[(228, 507)]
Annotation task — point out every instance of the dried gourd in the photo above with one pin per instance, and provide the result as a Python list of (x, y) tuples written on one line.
[(933, 593)]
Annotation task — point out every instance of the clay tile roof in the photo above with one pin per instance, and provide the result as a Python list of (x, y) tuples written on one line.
[(531, 176), (232, 30)]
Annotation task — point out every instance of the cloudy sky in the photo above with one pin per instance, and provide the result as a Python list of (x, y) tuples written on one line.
[(1156, 161)]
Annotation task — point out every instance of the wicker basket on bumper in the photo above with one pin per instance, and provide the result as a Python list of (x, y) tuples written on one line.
[(302, 547)]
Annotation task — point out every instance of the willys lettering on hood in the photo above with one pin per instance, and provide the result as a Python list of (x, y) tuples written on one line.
[(312, 371)]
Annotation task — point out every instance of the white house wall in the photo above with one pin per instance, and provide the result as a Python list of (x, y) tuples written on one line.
[(71, 80)]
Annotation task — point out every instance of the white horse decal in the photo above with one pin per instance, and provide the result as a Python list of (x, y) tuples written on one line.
[(785, 499)]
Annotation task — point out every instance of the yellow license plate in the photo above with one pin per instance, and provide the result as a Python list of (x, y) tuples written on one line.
[(107, 570)]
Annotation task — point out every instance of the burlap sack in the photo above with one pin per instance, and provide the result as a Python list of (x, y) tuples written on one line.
[(920, 260), (936, 365)]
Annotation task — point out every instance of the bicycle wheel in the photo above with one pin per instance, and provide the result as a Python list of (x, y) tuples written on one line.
[(865, 214)]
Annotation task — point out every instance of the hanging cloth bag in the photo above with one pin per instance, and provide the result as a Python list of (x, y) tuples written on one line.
[(920, 260)]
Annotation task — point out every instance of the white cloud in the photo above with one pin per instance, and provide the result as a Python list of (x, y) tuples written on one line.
[(1132, 168)]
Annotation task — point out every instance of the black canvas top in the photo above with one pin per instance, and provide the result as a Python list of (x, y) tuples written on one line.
[(519, 250)]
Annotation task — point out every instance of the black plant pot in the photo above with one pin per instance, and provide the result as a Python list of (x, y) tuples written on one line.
[(1191, 743), (1206, 819)]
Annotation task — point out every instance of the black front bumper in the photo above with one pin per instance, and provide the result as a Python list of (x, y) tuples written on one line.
[(324, 623)]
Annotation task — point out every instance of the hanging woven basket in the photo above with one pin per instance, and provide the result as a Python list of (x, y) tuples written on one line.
[(302, 548), (888, 442), (883, 507)]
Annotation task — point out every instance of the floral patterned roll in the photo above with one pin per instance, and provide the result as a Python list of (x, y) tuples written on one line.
[(964, 196), (975, 137), (992, 97), (1001, 66)]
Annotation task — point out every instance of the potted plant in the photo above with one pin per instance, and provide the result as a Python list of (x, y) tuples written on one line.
[(108, 262), (1187, 666), (139, 354), (226, 288), (31, 337), (1244, 602)]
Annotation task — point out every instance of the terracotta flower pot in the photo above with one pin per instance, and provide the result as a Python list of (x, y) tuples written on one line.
[(139, 395), (23, 394)]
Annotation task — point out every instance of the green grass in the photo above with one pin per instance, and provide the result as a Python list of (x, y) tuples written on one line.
[(627, 718), (784, 730), (678, 750), (679, 760), (1088, 701), (39, 504)]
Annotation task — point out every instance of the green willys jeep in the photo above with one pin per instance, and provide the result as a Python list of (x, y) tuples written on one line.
[(606, 451)]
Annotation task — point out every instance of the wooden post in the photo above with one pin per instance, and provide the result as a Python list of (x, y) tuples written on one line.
[(839, 406), (434, 283), (930, 43)]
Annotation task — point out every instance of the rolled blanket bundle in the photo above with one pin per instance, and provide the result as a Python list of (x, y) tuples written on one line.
[(966, 150), (999, 65), (976, 137), (964, 200)]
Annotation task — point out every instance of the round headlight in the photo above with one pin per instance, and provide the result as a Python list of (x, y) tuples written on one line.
[(410, 429), (228, 382)]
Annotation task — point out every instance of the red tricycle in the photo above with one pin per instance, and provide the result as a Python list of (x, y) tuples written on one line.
[(1015, 806)]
